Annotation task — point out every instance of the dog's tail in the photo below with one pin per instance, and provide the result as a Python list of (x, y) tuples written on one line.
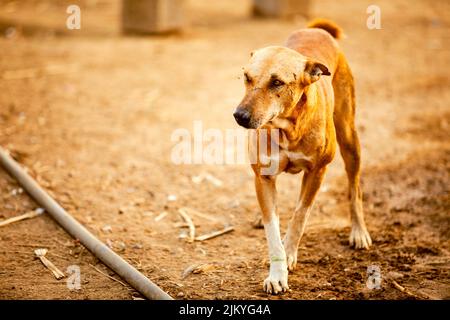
[(327, 25)]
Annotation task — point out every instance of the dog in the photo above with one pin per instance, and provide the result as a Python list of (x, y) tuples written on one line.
[(305, 92)]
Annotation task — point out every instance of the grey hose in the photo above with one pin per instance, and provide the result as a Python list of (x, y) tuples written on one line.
[(136, 279)]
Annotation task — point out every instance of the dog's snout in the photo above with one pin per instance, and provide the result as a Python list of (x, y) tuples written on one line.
[(242, 117)]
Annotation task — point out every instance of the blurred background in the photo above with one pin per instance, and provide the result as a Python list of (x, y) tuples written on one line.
[(90, 113)]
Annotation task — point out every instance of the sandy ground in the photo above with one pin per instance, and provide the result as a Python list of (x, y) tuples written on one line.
[(90, 114)]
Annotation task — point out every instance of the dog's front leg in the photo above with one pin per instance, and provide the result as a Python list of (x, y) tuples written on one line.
[(277, 281), (310, 185)]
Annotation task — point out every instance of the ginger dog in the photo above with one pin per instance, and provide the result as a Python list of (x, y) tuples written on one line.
[(305, 90)]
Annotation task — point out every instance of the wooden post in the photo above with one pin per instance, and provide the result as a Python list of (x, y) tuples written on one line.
[(281, 8), (152, 16)]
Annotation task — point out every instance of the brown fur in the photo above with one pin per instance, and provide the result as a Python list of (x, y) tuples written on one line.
[(314, 110)]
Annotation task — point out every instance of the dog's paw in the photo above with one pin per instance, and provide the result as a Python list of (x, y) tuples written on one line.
[(360, 238), (291, 258), (257, 223), (276, 282), (291, 254)]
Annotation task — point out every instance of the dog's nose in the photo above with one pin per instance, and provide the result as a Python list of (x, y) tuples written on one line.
[(242, 117)]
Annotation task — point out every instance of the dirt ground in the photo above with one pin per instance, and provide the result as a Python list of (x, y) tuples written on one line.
[(90, 113)]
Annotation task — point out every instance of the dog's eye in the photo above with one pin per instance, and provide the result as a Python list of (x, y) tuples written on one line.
[(276, 83)]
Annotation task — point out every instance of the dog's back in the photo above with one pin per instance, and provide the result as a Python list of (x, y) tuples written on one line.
[(318, 42)]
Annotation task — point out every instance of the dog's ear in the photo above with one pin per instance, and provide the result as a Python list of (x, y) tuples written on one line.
[(313, 71)]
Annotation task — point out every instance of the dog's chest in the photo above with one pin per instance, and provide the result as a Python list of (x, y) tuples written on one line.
[(298, 161)]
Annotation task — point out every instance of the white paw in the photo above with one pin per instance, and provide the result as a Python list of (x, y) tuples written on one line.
[(277, 281), (360, 238)]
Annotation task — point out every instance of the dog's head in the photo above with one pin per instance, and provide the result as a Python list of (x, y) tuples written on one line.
[(275, 79)]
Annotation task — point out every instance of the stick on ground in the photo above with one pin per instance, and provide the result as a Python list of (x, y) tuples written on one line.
[(200, 214), (191, 225), (24, 216), (161, 216), (403, 289), (107, 275), (198, 268), (40, 253), (214, 234)]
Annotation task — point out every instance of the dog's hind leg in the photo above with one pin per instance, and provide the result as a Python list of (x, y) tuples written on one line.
[(257, 222), (347, 137)]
